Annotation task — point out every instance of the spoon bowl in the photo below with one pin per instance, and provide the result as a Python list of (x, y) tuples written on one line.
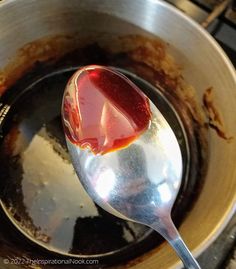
[(139, 182)]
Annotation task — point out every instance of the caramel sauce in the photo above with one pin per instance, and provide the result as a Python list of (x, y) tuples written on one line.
[(103, 110)]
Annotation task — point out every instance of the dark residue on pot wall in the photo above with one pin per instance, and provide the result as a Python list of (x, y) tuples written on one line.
[(215, 121), (145, 57), (27, 58), (150, 56)]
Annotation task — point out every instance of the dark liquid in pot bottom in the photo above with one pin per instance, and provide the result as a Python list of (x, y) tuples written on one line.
[(40, 191)]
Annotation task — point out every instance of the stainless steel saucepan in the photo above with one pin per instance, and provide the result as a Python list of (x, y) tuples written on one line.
[(158, 37)]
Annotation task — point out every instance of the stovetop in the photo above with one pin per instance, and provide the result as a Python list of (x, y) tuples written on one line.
[(219, 19)]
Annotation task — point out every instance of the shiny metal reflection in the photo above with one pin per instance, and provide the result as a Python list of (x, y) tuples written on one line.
[(146, 174), (139, 182)]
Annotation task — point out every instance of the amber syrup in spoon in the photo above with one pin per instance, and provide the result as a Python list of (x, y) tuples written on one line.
[(106, 112)]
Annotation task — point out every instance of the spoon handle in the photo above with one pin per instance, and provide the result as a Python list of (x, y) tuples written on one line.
[(168, 230)]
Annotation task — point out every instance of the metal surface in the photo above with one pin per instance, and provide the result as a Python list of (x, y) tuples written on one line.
[(216, 12), (221, 27), (218, 254), (225, 33), (138, 183), (204, 64), (230, 13)]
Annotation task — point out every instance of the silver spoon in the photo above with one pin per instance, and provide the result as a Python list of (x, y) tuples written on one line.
[(139, 182)]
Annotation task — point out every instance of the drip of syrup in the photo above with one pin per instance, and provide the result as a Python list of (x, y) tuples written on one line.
[(103, 110)]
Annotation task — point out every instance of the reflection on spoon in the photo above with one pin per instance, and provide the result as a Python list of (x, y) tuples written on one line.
[(124, 151)]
